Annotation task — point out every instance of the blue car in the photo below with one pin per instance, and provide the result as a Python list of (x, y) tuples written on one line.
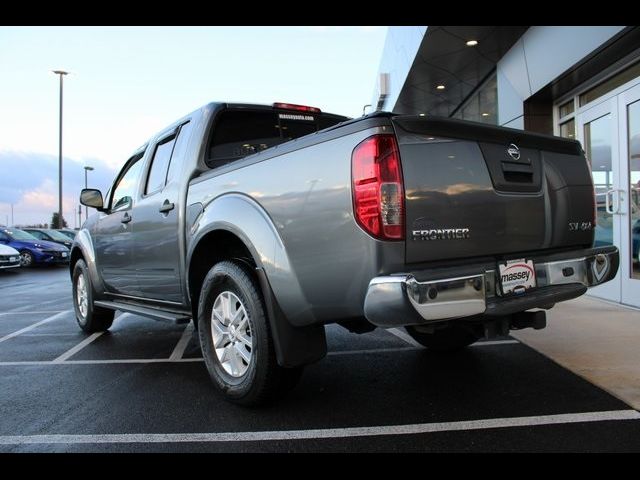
[(34, 251)]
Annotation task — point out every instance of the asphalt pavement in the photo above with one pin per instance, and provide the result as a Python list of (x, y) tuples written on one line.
[(143, 387)]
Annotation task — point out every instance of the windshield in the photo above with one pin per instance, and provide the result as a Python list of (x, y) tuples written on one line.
[(56, 235), (16, 234)]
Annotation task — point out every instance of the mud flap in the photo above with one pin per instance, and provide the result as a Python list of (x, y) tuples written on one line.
[(295, 346)]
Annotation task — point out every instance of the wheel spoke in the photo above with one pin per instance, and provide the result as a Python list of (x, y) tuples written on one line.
[(225, 306), (231, 334), (244, 339), (236, 363), (221, 334), (242, 352)]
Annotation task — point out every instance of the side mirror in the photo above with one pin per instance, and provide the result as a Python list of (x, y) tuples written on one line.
[(91, 197)]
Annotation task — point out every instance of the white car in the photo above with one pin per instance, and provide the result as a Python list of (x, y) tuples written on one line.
[(9, 257)]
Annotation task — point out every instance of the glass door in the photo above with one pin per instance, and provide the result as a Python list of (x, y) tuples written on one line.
[(629, 133), (597, 131)]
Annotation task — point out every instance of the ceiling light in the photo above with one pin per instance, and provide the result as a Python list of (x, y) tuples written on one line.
[(440, 87), (485, 114), (472, 43)]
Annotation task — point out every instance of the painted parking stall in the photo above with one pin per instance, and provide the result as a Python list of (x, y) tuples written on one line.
[(373, 392)]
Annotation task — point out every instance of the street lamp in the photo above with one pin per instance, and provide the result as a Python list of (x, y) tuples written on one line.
[(87, 168), (61, 73)]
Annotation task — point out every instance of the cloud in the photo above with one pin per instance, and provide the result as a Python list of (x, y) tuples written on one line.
[(29, 182)]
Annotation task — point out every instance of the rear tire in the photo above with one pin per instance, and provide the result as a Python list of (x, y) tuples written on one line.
[(90, 318), (236, 340), (449, 339)]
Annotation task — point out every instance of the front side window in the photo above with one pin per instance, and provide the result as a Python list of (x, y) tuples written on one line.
[(126, 187)]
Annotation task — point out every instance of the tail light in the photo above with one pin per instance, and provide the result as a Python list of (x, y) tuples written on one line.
[(378, 194)]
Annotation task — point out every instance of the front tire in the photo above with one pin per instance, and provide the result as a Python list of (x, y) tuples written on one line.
[(26, 259), (236, 340), (90, 318), (448, 339)]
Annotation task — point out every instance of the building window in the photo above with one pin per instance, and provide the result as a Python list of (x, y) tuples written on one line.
[(482, 105), (611, 84), (568, 129), (565, 112), (567, 108)]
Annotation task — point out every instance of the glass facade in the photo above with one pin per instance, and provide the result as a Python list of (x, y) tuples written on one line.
[(568, 129), (611, 84), (566, 108), (633, 139), (482, 105)]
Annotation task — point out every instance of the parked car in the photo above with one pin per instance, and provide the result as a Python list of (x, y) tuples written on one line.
[(262, 224), (33, 250), (50, 235), (68, 232), (9, 257)]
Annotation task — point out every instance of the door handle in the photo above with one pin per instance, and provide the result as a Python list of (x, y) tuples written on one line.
[(166, 207), (607, 203), (615, 207), (126, 218)]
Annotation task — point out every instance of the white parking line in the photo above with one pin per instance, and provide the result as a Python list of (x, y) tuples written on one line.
[(99, 362), (403, 336), (493, 342), (37, 324), (374, 350), (72, 351), (176, 359), (407, 338), (181, 346), (261, 436), (30, 313)]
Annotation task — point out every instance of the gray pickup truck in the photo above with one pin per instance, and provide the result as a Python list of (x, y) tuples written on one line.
[(262, 224)]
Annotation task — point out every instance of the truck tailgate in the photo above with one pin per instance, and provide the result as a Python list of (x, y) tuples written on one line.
[(477, 190)]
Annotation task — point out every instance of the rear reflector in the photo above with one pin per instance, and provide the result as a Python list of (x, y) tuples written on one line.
[(299, 108), (378, 194)]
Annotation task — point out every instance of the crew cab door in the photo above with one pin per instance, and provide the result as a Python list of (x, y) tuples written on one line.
[(114, 232), (157, 230)]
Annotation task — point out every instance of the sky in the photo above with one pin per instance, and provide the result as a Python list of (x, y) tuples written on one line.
[(125, 83)]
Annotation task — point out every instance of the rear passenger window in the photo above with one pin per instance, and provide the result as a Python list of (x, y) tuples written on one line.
[(179, 151), (159, 164)]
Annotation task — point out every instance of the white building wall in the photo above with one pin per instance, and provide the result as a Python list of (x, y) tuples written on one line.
[(399, 52), (538, 57)]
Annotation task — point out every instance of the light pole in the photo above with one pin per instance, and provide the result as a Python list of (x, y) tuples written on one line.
[(87, 168), (61, 73)]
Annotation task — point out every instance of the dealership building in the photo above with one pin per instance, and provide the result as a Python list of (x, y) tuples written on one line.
[(576, 82)]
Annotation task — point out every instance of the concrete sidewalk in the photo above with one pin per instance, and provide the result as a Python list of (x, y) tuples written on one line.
[(597, 340)]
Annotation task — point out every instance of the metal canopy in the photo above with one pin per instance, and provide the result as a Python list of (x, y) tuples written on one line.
[(444, 59)]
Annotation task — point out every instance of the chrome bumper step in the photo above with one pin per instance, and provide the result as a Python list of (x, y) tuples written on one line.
[(397, 300)]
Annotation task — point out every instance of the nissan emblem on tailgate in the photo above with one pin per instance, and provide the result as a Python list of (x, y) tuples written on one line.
[(513, 151)]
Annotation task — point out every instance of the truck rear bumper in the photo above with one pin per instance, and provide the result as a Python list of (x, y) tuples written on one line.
[(403, 299)]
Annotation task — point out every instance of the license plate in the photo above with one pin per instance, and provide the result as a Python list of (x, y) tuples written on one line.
[(13, 259), (517, 276), (64, 254)]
